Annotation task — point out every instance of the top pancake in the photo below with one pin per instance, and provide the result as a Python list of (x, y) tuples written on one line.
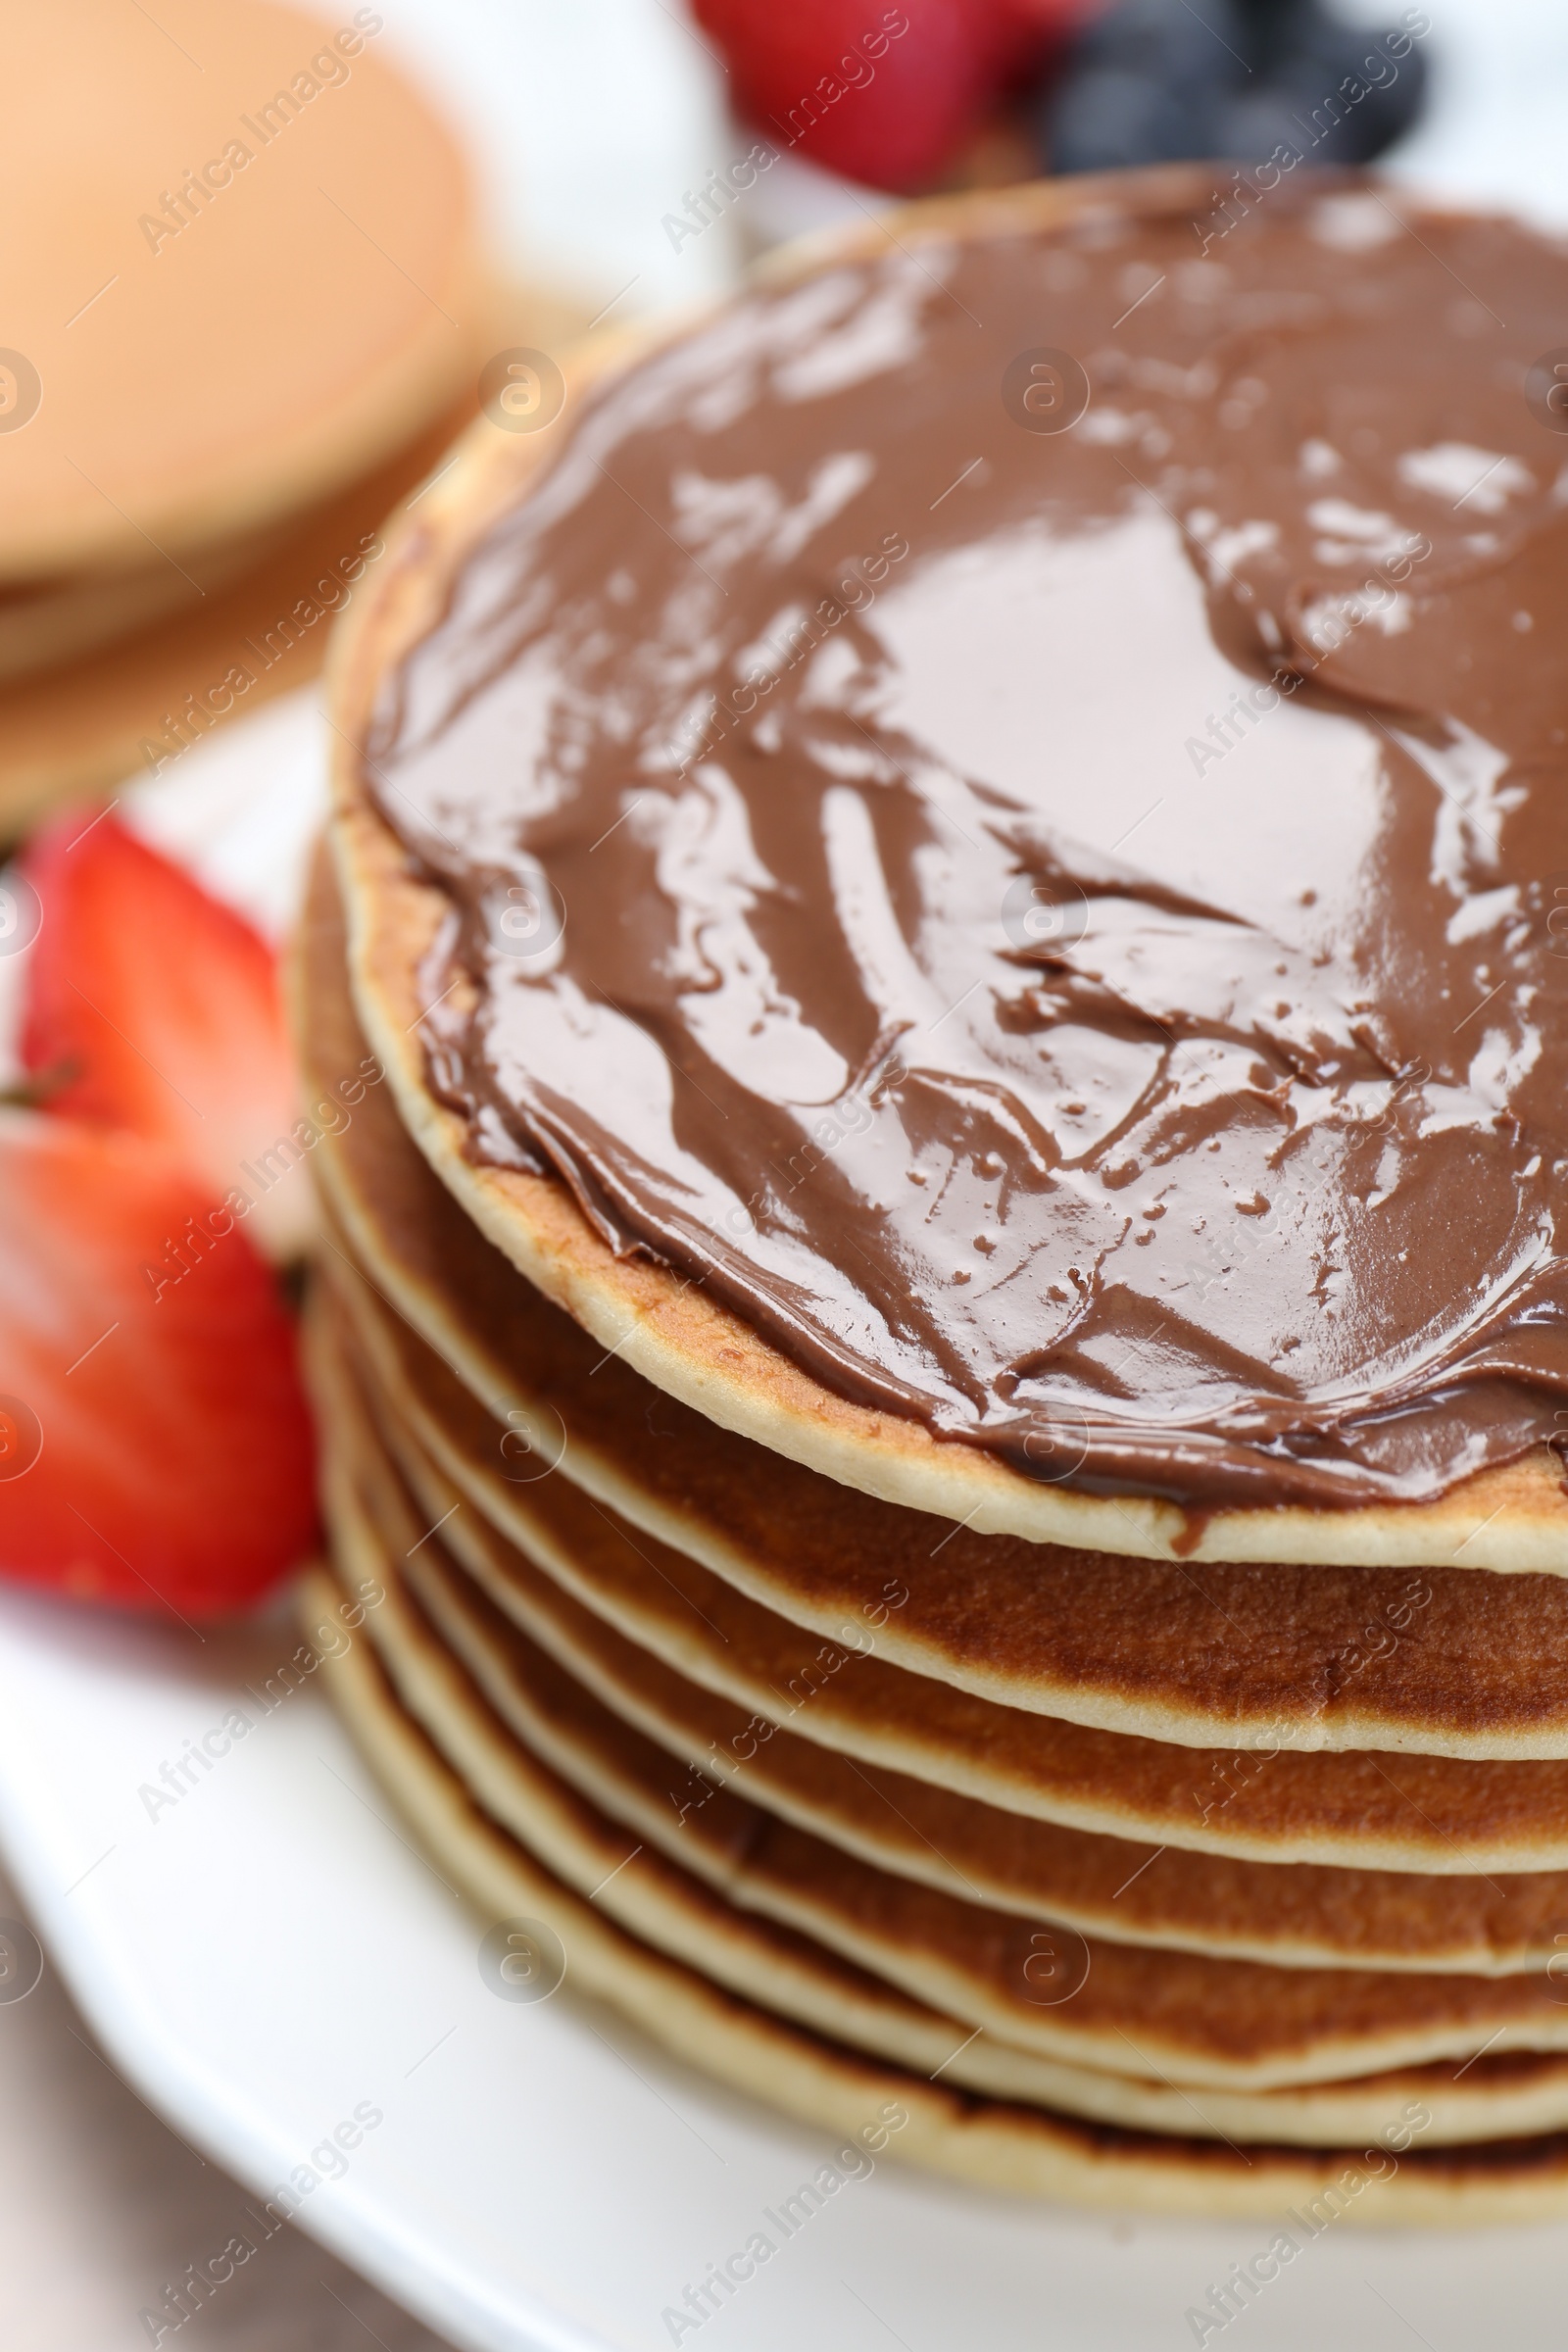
[(671, 1328), (779, 758), (208, 357)]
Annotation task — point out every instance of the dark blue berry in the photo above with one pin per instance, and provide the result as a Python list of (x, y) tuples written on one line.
[(1166, 80)]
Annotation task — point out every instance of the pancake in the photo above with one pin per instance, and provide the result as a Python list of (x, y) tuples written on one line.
[(1418, 1813), (1188, 2021), (273, 328), (989, 2142), (1257, 1657), (673, 1326), (44, 624), (483, 1597)]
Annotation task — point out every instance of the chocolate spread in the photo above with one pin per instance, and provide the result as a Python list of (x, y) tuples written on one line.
[(1004, 811)]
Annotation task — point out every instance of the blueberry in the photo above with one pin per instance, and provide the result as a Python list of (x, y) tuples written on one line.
[(1116, 119), (1164, 81), (1183, 45), (1318, 79)]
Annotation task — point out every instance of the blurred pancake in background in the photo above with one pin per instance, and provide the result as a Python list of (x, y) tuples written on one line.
[(251, 308)]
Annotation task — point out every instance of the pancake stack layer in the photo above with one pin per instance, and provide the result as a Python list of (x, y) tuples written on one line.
[(1208, 1858)]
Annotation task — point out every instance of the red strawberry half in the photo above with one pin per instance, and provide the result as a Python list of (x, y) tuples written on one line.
[(884, 95), (891, 96), (155, 1447), (163, 1009)]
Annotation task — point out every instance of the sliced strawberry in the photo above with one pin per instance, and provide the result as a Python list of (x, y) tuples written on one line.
[(155, 1446), (885, 95), (162, 1009)]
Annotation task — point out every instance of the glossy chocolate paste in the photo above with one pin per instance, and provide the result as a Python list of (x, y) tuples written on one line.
[(1061, 919)]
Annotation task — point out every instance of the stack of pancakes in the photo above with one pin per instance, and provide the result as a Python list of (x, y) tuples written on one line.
[(1212, 1859), (246, 316)]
